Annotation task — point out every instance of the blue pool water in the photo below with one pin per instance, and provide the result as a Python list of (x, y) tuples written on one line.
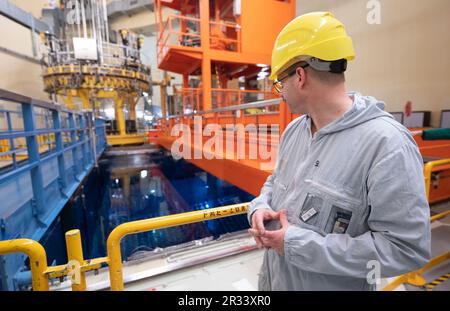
[(129, 188)]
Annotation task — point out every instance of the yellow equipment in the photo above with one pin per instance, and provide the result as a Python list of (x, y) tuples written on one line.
[(84, 63)]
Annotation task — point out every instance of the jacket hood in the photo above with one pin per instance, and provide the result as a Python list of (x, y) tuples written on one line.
[(364, 108)]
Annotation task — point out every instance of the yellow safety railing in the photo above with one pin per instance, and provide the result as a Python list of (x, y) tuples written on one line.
[(428, 168), (415, 277), (41, 273), (45, 142), (113, 243), (38, 259), (4, 147)]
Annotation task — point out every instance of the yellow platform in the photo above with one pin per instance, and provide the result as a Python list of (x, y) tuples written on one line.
[(129, 139)]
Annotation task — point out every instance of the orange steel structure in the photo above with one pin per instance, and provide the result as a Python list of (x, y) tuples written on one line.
[(226, 39), (221, 42), (249, 174)]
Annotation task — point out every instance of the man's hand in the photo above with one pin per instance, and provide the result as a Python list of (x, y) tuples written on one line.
[(275, 239), (258, 218)]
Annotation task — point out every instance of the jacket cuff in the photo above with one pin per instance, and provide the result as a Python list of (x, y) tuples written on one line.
[(295, 252)]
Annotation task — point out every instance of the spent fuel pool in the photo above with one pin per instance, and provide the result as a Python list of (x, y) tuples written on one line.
[(140, 186)]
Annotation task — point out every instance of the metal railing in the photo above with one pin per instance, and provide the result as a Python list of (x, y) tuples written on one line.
[(78, 266), (172, 34), (41, 272), (38, 259), (428, 169), (229, 97), (46, 152), (188, 101), (225, 36), (113, 242), (180, 30), (112, 55), (415, 278)]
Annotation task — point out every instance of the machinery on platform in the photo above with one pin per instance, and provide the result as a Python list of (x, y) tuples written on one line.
[(86, 61)]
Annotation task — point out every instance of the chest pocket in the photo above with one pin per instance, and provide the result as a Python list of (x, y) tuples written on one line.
[(327, 211)]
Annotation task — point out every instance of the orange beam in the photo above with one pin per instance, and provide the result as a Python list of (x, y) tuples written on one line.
[(246, 176), (206, 61)]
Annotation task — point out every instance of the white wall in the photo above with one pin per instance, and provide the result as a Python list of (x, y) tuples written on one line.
[(17, 74), (405, 57), (32, 6)]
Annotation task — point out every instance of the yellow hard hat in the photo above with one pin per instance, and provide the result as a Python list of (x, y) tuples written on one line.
[(317, 34)]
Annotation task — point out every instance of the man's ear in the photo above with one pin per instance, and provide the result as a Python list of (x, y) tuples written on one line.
[(300, 76)]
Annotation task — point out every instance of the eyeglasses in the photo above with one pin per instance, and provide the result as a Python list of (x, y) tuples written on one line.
[(278, 83)]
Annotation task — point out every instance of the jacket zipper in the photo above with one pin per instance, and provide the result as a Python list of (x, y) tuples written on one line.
[(334, 193)]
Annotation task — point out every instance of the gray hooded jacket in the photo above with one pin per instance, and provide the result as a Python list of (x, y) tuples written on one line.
[(356, 202)]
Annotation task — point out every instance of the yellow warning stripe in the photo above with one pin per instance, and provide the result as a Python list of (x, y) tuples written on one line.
[(430, 286)]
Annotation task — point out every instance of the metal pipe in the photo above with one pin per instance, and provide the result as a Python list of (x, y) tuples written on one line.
[(38, 259), (94, 32), (93, 136), (105, 9), (76, 260), (415, 277), (77, 11), (440, 216), (100, 32), (258, 104), (113, 242), (83, 18), (120, 117)]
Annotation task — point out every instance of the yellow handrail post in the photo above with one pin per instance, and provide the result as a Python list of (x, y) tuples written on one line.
[(38, 259), (76, 260), (427, 172), (113, 243)]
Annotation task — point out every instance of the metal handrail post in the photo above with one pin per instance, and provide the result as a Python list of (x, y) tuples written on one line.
[(38, 259)]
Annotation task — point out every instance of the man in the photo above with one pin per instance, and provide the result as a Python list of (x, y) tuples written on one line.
[(348, 193)]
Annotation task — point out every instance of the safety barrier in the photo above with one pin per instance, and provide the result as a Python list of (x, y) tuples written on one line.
[(41, 272), (267, 112), (46, 152), (184, 31), (78, 266), (428, 169), (189, 100), (38, 259), (415, 278), (170, 35)]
